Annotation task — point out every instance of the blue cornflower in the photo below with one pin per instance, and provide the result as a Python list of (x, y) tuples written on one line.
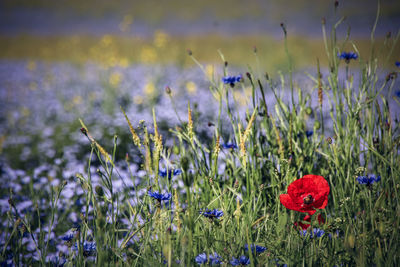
[(258, 249), (170, 173), (368, 180), (212, 259), (231, 79), (89, 248), (212, 213), (315, 232), (243, 260), (397, 64), (68, 237), (58, 261), (397, 94), (347, 56), (215, 259), (229, 145), (201, 258), (159, 196), (309, 133)]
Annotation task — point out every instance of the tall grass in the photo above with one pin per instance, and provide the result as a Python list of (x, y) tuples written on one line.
[(271, 147)]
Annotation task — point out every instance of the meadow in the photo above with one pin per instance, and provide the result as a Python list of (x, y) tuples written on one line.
[(153, 155)]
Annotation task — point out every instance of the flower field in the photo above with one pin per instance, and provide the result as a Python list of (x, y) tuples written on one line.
[(116, 158)]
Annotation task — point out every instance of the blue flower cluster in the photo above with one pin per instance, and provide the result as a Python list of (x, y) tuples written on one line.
[(316, 232), (347, 56), (212, 213), (159, 196), (397, 64), (368, 180), (89, 248), (243, 260), (231, 79), (170, 173), (256, 248), (213, 259), (229, 145)]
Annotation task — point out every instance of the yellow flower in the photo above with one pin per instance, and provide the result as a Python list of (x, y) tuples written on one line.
[(115, 79), (160, 39), (191, 88)]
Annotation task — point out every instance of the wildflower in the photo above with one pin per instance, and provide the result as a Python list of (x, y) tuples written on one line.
[(159, 196), (212, 259), (229, 145), (347, 56), (316, 232), (212, 213), (215, 259), (368, 180), (231, 80), (201, 258), (243, 260), (89, 248), (398, 94), (309, 133), (68, 237), (397, 64), (169, 173), (307, 194), (256, 248), (57, 261)]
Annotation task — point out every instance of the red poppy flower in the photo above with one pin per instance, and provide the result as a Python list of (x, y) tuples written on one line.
[(307, 194), (307, 218)]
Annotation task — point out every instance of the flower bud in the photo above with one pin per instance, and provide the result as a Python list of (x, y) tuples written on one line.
[(185, 163), (99, 191), (84, 131), (168, 90), (317, 125), (176, 150), (309, 110)]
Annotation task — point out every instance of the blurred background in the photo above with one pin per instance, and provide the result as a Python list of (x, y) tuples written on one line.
[(160, 31)]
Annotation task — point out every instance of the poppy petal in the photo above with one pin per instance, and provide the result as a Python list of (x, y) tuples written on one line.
[(287, 201)]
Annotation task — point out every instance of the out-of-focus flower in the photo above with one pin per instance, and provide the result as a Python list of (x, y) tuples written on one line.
[(89, 248), (213, 259), (231, 80), (347, 56), (229, 145), (243, 260), (201, 258), (158, 196), (307, 194), (169, 173), (256, 248), (368, 180), (397, 64), (212, 213), (316, 232), (57, 261)]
